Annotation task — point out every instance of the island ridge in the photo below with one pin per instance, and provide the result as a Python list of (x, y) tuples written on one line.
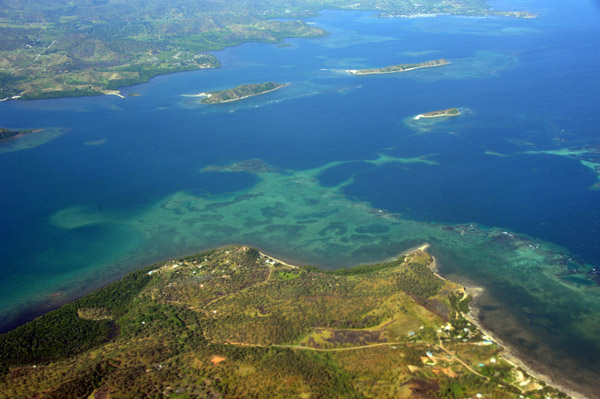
[(439, 114), (398, 68), (240, 92)]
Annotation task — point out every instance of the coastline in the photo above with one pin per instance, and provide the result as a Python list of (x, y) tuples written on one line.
[(509, 354), (425, 116), (113, 93), (214, 298), (16, 97)]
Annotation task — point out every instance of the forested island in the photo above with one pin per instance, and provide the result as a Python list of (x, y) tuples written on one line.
[(439, 114), (7, 134), (83, 48), (398, 68), (234, 322), (241, 92)]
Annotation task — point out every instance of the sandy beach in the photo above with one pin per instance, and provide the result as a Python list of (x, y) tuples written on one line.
[(196, 95), (429, 116), (475, 292), (508, 354), (113, 93)]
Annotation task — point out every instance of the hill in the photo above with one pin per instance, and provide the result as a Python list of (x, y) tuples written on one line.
[(236, 323)]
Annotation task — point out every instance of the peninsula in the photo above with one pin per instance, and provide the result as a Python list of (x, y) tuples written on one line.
[(450, 112), (241, 92), (234, 322), (398, 68), (7, 134)]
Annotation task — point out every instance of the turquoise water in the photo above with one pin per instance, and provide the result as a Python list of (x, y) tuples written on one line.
[(349, 176)]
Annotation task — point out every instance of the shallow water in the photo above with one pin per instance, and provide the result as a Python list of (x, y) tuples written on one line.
[(345, 175)]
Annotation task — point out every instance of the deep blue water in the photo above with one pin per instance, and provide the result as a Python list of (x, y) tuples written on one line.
[(524, 85)]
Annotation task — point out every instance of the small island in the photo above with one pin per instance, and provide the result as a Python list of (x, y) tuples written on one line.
[(241, 92), (254, 166), (7, 134), (514, 14), (450, 112), (398, 68)]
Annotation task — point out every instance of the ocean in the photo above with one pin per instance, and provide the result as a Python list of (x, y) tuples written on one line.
[(340, 173)]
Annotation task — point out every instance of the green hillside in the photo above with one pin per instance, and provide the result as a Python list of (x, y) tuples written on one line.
[(234, 323)]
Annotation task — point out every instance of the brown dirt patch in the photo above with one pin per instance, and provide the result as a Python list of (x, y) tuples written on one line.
[(216, 359), (355, 337), (102, 393), (423, 390)]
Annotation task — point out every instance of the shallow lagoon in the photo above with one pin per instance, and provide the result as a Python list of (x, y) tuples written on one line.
[(351, 178)]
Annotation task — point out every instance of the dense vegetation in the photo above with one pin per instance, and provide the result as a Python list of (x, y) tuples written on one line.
[(418, 280), (63, 332), (234, 323), (6, 134), (441, 113)]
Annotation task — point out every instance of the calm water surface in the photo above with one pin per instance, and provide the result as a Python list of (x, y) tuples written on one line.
[(117, 183)]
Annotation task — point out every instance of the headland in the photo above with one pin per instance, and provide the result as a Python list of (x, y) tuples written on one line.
[(247, 324), (8, 134)]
